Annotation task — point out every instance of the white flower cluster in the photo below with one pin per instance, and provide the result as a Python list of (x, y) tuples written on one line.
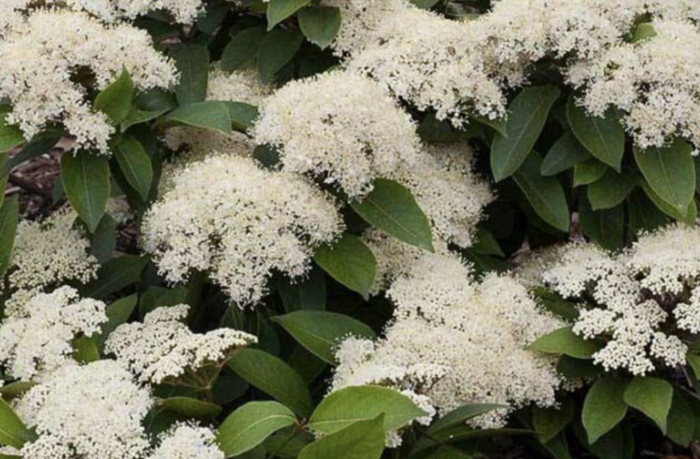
[(187, 441), (245, 223), (340, 127), (41, 55), (163, 348), (629, 298), (456, 341), (183, 11), (41, 341), (655, 82), (92, 411)]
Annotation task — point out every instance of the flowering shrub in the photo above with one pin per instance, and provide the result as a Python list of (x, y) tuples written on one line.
[(353, 229)]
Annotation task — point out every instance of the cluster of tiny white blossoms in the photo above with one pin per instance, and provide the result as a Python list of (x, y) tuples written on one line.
[(183, 11), (96, 410), (655, 82), (455, 341), (239, 86), (47, 254), (340, 127), (629, 299), (245, 223), (41, 340), (163, 348), (188, 441), (41, 54)]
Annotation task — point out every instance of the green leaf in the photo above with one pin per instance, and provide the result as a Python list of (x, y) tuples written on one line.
[(320, 331), (611, 190), (210, 115), (687, 217), (605, 227), (320, 24), (549, 422), (527, 116), (249, 425), (651, 396), (350, 262), (274, 377), (604, 407), (589, 172), (104, 240), (459, 416), (13, 432), (276, 50), (545, 194), (566, 153), (138, 116), (135, 163), (307, 294), (643, 31), (118, 313), (10, 135), (603, 137), (116, 274), (425, 4), (564, 342), (242, 49), (279, 10), (9, 216), (192, 62), (115, 100), (681, 420), (360, 440), (190, 407), (85, 350), (392, 208), (643, 214), (670, 171), (355, 403), (242, 115), (42, 143), (86, 182)]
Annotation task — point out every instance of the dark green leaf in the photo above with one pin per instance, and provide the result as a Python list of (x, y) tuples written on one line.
[(276, 50), (611, 190), (589, 172), (274, 377), (606, 227), (210, 115), (545, 194), (350, 262), (527, 116), (687, 217), (308, 294), (86, 182), (566, 153), (190, 407), (117, 314), (603, 137), (104, 240), (85, 350), (10, 135), (249, 425), (192, 63), (320, 332), (13, 432), (681, 420), (116, 274), (461, 415), (360, 440), (549, 422), (242, 115), (670, 171), (564, 342), (42, 143), (135, 164), (115, 100), (604, 407), (242, 49), (651, 396), (351, 404), (643, 214), (279, 10), (9, 216), (392, 208), (137, 116), (320, 24)]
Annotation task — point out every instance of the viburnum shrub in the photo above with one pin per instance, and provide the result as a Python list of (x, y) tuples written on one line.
[(349, 229)]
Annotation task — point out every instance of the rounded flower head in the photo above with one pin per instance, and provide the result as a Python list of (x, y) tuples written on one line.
[(94, 411), (456, 341), (42, 340), (162, 348), (40, 55), (243, 224), (188, 441), (340, 127)]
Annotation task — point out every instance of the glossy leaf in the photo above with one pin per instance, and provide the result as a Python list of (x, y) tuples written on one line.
[(9, 216), (209, 115), (249, 425), (192, 63), (611, 190), (190, 407), (242, 49), (135, 163), (115, 100), (320, 24), (85, 177), (360, 440), (545, 194), (603, 137), (564, 342), (566, 153), (276, 50), (604, 407), (279, 10), (349, 262), (651, 396)]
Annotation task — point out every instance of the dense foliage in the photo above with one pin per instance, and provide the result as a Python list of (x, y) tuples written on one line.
[(350, 229)]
